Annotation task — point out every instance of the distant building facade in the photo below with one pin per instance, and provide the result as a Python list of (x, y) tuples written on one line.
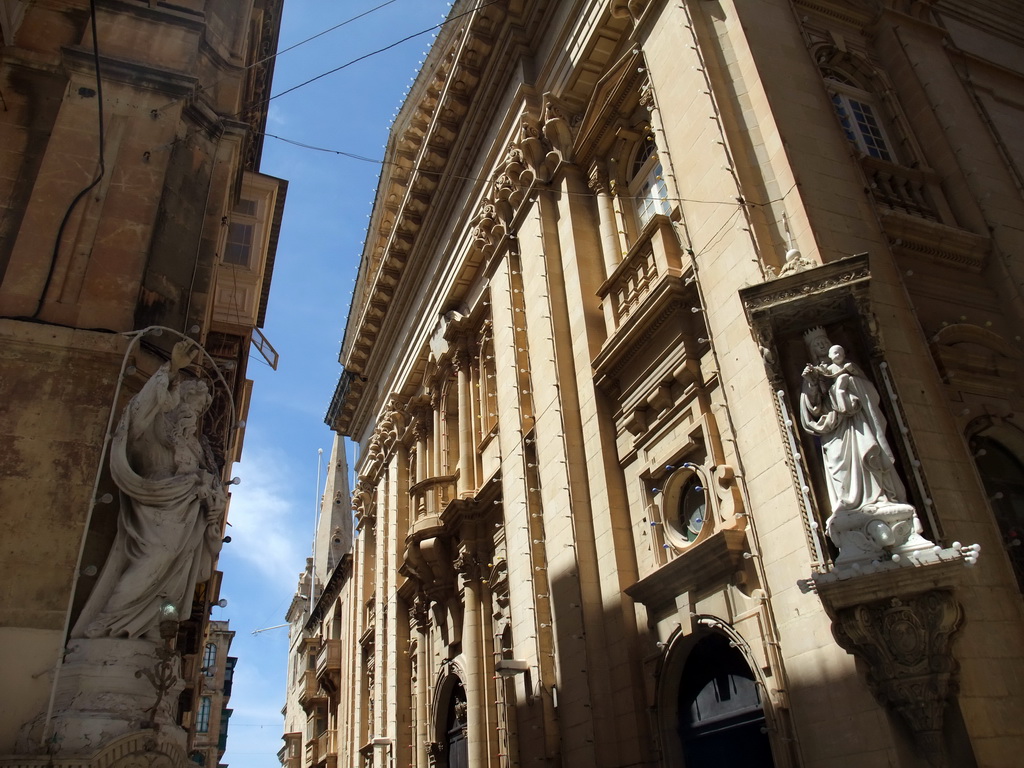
[(683, 365), (321, 622), (137, 243), (209, 723)]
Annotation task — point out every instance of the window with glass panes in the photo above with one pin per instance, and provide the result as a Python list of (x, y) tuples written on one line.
[(241, 233), (647, 186), (859, 116)]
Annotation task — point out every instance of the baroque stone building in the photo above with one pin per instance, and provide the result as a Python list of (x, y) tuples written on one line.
[(320, 626), (137, 243), (209, 731), (683, 364)]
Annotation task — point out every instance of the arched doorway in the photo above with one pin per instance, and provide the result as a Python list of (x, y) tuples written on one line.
[(1002, 474), (721, 722), (456, 748)]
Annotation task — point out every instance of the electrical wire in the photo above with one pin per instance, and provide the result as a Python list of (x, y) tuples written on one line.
[(99, 176), (375, 52), (375, 161), (273, 56)]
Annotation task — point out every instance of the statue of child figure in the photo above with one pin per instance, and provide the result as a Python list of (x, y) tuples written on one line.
[(840, 370)]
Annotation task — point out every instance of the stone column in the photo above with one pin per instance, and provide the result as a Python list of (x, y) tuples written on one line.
[(435, 404), (467, 565), (421, 618), (421, 431), (611, 245), (467, 485)]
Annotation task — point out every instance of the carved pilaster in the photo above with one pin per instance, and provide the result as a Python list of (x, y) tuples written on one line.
[(598, 179)]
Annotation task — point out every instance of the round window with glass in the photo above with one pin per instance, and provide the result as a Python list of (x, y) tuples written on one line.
[(686, 508), (692, 509)]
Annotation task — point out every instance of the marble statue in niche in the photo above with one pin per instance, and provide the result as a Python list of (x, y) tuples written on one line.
[(172, 503), (871, 519)]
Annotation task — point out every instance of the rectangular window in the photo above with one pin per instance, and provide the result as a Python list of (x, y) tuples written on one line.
[(210, 659), (861, 126), (246, 207), (238, 250), (652, 196)]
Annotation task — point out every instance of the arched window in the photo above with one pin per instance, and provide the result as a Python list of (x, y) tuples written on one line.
[(647, 182), (1002, 474), (203, 717), (210, 659), (721, 720), (860, 116)]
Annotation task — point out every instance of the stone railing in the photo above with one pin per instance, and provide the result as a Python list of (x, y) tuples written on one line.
[(326, 745), (429, 497), (328, 659), (653, 257), (309, 690), (908, 190)]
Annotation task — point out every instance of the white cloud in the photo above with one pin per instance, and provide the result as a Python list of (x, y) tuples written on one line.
[(276, 116), (263, 512)]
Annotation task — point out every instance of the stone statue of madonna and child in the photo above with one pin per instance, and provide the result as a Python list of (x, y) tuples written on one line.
[(870, 518)]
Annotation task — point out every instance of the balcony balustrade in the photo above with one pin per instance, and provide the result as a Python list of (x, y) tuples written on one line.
[(429, 497), (654, 258), (328, 664), (908, 190), (310, 691)]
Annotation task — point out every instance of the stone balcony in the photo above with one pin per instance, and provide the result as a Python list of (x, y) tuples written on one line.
[(429, 497), (654, 258), (912, 191), (310, 692), (328, 665)]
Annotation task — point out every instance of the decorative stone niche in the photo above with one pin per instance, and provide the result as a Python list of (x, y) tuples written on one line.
[(889, 590), (863, 494)]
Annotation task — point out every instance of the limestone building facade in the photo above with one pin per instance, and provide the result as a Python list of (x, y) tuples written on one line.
[(321, 621), (137, 243), (209, 723), (683, 364)]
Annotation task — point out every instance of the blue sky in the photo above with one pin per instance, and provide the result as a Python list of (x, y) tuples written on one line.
[(329, 199)]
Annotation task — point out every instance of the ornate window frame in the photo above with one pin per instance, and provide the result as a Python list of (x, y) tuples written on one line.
[(688, 479), (648, 190)]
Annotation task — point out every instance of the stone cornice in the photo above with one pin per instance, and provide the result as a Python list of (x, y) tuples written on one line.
[(417, 157)]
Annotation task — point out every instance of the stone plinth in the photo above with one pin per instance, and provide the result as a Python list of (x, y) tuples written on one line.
[(110, 688)]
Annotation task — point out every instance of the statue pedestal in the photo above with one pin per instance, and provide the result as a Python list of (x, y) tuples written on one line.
[(110, 688), (869, 536), (902, 623)]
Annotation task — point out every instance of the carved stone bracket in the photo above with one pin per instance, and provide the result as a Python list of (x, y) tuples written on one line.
[(902, 626)]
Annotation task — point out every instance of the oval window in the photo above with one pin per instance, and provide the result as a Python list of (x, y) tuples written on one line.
[(692, 508)]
